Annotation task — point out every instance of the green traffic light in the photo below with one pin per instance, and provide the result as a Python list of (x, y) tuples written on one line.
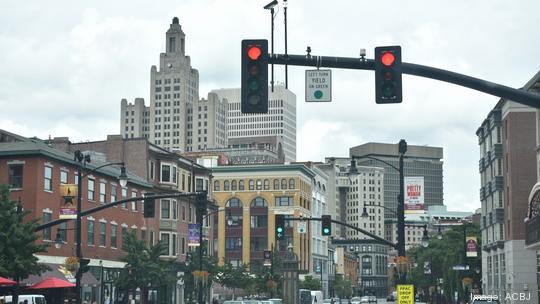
[(279, 229), (326, 231), (388, 90)]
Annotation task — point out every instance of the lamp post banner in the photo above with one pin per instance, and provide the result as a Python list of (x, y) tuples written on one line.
[(414, 193), (193, 235), (472, 246)]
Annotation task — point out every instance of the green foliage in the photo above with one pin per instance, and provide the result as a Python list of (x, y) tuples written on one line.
[(342, 286), (234, 277), (443, 255), (18, 241), (209, 264), (310, 283), (144, 267)]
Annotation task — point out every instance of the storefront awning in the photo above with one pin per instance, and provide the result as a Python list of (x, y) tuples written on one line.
[(59, 271)]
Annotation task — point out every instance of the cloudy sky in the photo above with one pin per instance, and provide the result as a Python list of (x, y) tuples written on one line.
[(67, 64)]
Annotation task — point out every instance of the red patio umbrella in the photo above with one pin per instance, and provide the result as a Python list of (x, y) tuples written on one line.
[(52, 282), (6, 282)]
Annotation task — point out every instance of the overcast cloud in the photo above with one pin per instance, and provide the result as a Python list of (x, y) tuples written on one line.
[(66, 66)]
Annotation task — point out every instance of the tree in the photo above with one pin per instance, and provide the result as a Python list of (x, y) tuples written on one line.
[(342, 286), (442, 255), (310, 283), (18, 242), (144, 267), (193, 273), (234, 277)]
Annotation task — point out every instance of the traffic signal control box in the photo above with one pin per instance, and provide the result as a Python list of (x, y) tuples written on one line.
[(254, 85), (388, 74)]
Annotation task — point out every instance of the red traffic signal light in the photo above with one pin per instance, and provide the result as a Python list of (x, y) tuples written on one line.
[(254, 52), (387, 58), (388, 74), (254, 85)]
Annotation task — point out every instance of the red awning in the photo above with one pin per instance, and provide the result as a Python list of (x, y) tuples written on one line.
[(59, 271), (52, 282), (6, 282)]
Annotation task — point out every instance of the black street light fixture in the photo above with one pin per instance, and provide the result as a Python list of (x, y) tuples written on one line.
[(81, 161), (402, 149)]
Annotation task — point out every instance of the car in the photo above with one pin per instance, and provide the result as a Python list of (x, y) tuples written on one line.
[(276, 301), (364, 299), (31, 299), (372, 299), (355, 300), (233, 302), (327, 301)]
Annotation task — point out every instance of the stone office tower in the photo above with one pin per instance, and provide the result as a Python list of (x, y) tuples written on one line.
[(176, 119)]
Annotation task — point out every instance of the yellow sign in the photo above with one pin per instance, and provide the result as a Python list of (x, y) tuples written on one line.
[(405, 294), (68, 190)]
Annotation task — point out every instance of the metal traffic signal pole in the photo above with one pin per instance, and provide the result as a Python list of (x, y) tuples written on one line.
[(520, 96)]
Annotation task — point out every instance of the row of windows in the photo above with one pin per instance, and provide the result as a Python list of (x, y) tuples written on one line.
[(254, 184), (15, 179)]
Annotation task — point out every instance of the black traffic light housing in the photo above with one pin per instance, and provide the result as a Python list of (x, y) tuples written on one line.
[(388, 74), (280, 226), (326, 227), (254, 85), (149, 205), (83, 265)]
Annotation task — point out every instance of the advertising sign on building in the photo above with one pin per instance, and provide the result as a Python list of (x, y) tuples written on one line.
[(472, 246), (414, 193), (193, 235), (68, 209)]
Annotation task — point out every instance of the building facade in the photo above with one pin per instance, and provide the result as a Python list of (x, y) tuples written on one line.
[(176, 119), (250, 197), (507, 143), (279, 122), (35, 171), (419, 161)]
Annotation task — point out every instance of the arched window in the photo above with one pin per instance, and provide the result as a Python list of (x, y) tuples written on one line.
[(276, 184), (251, 185), (216, 185), (226, 185), (283, 184), (266, 184), (233, 185), (233, 203), (259, 202), (241, 185), (291, 183), (259, 184)]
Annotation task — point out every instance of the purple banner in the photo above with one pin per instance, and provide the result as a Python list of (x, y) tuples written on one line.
[(193, 235)]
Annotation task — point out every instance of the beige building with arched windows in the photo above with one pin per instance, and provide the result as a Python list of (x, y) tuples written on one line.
[(250, 197)]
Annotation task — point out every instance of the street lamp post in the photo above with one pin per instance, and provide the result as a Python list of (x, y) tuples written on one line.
[(402, 149), (202, 205), (81, 161)]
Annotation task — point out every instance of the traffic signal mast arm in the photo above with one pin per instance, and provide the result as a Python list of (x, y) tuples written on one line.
[(520, 96), (127, 200), (375, 237)]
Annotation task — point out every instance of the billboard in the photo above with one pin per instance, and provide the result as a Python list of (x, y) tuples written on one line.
[(414, 193), (472, 246)]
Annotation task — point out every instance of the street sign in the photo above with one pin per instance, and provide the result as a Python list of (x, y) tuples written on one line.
[(405, 294), (302, 227), (318, 85), (460, 267)]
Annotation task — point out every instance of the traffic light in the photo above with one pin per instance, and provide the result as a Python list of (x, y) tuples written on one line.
[(388, 74), (149, 205), (83, 265), (254, 76), (326, 227), (280, 226)]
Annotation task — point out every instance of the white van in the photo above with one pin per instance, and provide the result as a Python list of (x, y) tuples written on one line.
[(31, 299), (316, 297)]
